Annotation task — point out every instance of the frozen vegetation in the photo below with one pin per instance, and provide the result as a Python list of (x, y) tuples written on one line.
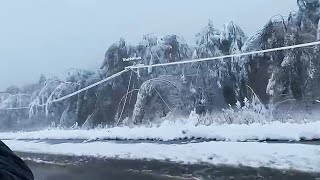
[(265, 89)]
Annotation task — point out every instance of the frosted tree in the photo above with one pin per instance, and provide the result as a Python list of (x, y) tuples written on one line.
[(291, 74), (218, 82)]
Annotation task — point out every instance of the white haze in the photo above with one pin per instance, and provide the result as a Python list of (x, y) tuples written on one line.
[(51, 36)]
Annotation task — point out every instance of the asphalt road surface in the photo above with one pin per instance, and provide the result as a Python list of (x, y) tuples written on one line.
[(52, 167)]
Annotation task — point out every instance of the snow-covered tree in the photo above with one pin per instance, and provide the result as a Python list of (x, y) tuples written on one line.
[(218, 82), (290, 74)]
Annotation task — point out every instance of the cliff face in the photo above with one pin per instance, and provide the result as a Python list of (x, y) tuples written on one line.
[(145, 94)]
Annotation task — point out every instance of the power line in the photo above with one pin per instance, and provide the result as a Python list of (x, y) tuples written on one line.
[(223, 57), (90, 87), (128, 68), (74, 93), (18, 108)]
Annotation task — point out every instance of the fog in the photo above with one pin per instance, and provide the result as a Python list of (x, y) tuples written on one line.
[(51, 36)]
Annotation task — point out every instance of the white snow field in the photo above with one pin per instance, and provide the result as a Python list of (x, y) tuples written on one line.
[(179, 130), (252, 154)]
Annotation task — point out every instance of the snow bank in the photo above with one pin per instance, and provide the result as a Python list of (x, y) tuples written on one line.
[(173, 130), (252, 154)]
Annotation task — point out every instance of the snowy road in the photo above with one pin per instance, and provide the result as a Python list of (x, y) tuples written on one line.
[(252, 154), (52, 167), (296, 148)]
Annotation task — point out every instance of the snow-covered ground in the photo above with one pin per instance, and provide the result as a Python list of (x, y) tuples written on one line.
[(174, 130), (252, 154)]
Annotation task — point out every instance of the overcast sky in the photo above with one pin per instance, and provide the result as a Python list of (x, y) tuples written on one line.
[(52, 36)]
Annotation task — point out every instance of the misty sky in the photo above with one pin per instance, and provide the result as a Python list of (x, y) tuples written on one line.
[(52, 36)]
